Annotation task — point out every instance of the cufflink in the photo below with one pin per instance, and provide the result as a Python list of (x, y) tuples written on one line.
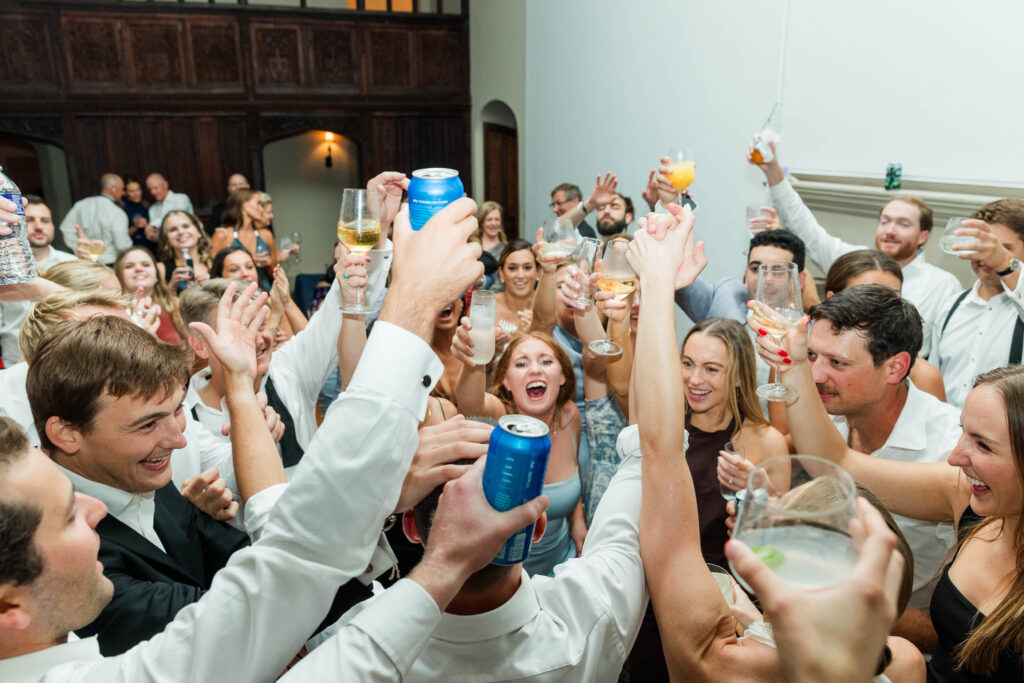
[(426, 380)]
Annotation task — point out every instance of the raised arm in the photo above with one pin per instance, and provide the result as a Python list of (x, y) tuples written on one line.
[(350, 271), (690, 609), (926, 491), (471, 397), (544, 312)]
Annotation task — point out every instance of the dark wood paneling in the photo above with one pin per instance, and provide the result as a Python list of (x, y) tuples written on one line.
[(333, 57), (94, 46), (501, 173), (27, 52), (277, 60), (215, 55), (438, 59), (390, 58), (155, 55)]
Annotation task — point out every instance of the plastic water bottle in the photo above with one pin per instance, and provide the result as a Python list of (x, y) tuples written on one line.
[(182, 284), (16, 261)]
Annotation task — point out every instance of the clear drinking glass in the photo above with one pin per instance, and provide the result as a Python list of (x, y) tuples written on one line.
[(359, 230), (617, 277), (755, 211), (285, 243), (949, 240), (481, 316), (730, 488), (682, 168), (297, 242), (723, 578), (96, 249), (800, 527), (560, 237), (778, 309), (586, 258)]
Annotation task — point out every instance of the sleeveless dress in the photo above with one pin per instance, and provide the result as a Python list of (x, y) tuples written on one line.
[(261, 273), (954, 617), (556, 545), (702, 459)]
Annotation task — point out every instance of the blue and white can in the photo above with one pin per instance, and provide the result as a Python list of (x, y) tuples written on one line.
[(430, 190), (517, 460)]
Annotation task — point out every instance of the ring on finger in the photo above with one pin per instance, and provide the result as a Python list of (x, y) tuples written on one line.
[(730, 481)]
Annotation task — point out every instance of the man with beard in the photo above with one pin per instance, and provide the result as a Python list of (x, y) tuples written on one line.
[(903, 227), (614, 217), (982, 328), (39, 223)]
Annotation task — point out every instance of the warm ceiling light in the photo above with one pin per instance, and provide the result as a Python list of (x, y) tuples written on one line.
[(328, 136)]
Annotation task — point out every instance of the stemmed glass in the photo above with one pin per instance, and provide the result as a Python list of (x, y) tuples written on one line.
[(730, 488), (586, 258), (297, 242), (617, 277), (559, 237), (800, 527), (682, 169), (778, 309), (285, 243), (359, 231)]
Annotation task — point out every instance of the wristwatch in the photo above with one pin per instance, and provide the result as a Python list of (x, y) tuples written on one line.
[(1012, 268)]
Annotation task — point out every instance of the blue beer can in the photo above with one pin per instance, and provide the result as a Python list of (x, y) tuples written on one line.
[(517, 460), (430, 190)]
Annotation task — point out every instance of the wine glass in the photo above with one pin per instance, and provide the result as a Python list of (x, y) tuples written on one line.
[(285, 243), (682, 168), (96, 249), (297, 242), (586, 258), (359, 231), (949, 240), (617, 277), (778, 309), (730, 488), (560, 237), (799, 525)]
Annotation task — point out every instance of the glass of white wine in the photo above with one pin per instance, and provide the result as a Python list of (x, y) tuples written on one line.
[(950, 240), (559, 237), (96, 249), (617, 277), (359, 231), (778, 309), (800, 527)]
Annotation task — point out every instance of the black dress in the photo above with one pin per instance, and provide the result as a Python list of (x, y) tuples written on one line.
[(954, 617), (702, 459)]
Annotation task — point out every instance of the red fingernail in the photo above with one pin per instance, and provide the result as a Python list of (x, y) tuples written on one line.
[(761, 331), (782, 352), (787, 361)]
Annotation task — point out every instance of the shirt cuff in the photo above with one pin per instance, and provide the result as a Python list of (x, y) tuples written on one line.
[(258, 508), (400, 364), (399, 621)]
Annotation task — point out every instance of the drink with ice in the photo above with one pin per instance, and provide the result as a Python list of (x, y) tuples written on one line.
[(949, 239), (481, 316), (803, 556)]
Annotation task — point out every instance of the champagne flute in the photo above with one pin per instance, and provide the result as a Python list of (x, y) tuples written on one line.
[(949, 240), (800, 527), (297, 242), (617, 277), (359, 231), (778, 309), (682, 168), (559, 237)]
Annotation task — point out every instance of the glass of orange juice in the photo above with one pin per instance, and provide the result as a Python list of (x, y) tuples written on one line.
[(682, 168)]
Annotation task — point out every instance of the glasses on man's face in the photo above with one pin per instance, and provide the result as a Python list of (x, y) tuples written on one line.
[(561, 203)]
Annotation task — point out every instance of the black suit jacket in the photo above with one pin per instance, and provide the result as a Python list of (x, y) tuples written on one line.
[(586, 229)]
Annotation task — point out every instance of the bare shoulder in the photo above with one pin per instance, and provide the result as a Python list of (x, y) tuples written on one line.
[(764, 438)]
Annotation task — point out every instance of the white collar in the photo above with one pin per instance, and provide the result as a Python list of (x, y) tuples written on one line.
[(911, 429), (116, 500), (518, 611), (33, 666)]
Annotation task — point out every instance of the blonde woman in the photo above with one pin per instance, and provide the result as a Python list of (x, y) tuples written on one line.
[(491, 233), (181, 230)]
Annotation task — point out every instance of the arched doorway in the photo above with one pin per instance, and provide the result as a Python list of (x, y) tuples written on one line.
[(501, 162)]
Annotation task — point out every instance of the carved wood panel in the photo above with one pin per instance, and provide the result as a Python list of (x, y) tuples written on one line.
[(333, 57), (156, 55), (390, 58), (440, 59), (95, 51), (406, 143), (215, 53), (276, 55), (26, 52)]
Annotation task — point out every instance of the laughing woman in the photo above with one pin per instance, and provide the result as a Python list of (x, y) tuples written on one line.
[(518, 271), (534, 377)]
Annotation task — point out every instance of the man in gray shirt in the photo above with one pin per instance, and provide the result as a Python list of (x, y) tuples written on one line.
[(101, 218), (165, 199)]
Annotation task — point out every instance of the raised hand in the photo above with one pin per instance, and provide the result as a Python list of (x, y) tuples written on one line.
[(694, 262), (388, 186), (547, 262), (238, 324), (350, 270), (462, 343), (762, 222), (208, 491), (604, 190), (653, 260), (772, 169), (795, 341), (440, 446), (989, 251), (82, 245), (666, 191), (650, 193)]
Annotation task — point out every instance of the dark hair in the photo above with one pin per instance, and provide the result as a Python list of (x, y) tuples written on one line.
[(33, 199), (512, 247), (854, 263), (782, 239), (571, 191), (232, 215), (628, 202), (1008, 212), (20, 561), (83, 360), (217, 269), (888, 322)]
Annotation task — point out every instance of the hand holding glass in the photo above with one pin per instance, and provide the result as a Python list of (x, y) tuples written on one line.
[(297, 245), (682, 169), (617, 277), (755, 211), (586, 258), (559, 237), (481, 316), (732, 485), (359, 231), (950, 240), (777, 310)]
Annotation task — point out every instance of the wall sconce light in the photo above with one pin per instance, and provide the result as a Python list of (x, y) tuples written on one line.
[(329, 137)]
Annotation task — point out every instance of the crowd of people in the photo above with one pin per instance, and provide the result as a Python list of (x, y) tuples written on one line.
[(200, 480)]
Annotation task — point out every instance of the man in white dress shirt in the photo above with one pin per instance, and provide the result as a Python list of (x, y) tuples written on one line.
[(258, 612), (100, 218), (165, 200), (982, 328), (861, 345), (39, 223), (903, 227)]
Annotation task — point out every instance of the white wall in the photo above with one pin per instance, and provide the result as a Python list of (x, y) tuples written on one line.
[(307, 196), (497, 56)]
